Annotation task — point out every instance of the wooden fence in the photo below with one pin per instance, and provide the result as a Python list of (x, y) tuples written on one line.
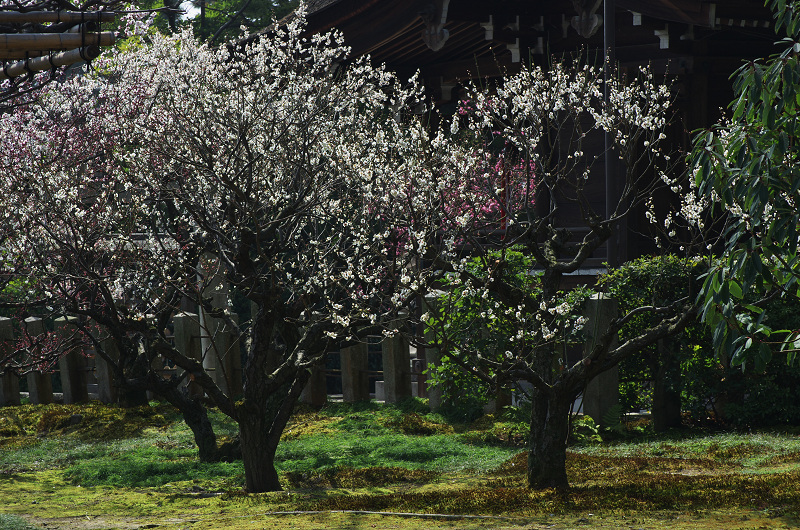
[(84, 375)]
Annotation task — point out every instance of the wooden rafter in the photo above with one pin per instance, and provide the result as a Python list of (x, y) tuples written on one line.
[(43, 63), (41, 17), (55, 41)]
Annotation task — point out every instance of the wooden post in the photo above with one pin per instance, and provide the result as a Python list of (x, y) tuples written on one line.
[(42, 63), (9, 383), (355, 381), (315, 393), (187, 341), (396, 369), (106, 389), (602, 392), (72, 365), (72, 17), (40, 385), (433, 359), (55, 41)]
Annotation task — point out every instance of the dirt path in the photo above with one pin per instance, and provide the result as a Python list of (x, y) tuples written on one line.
[(338, 520)]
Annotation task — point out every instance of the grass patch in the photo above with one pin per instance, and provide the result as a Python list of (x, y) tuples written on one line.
[(146, 469), (383, 458), (347, 477), (439, 453), (752, 450)]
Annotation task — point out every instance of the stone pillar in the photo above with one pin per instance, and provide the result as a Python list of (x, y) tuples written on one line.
[(40, 385), (496, 404), (72, 366), (602, 392), (106, 389), (221, 356), (396, 369), (355, 380), (9, 383), (315, 393), (187, 341)]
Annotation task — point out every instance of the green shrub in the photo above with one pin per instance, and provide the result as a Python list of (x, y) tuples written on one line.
[(584, 431), (708, 387), (481, 327), (659, 280)]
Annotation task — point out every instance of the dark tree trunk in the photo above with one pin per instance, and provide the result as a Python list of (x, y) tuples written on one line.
[(258, 453), (196, 417), (132, 397), (547, 448), (197, 420)]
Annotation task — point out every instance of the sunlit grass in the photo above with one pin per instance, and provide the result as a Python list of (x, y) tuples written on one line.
[(395, 458), (749, 450), (440, 453), (371, 457)]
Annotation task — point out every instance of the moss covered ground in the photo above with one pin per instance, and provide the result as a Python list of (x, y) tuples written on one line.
[(95, 466)]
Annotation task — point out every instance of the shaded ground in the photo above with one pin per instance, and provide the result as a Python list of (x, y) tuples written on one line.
[(113, 468)]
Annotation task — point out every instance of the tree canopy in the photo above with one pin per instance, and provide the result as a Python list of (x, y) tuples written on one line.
[(176, 169)]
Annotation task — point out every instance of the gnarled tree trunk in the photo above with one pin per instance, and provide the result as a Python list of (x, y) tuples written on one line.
[(547, 447), (258, 453), (196, 417), (260, 428)]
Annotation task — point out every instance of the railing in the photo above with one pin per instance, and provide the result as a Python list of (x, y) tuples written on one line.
[(83, 375)]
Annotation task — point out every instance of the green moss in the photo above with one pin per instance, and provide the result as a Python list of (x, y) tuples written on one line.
[(361, 460), (414, 423), (88, 421), (346, 477)]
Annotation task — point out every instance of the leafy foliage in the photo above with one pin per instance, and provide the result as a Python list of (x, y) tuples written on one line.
[(747, 167), (222, 19), (660, 281)]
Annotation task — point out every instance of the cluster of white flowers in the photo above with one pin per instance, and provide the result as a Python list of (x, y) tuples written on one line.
[(172, 148)]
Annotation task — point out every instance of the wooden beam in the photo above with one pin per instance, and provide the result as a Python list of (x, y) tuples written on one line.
[(75, 17), (54, 41), (477, 68), (21, 54), (479, 10), (686, 11), (41, 64)]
